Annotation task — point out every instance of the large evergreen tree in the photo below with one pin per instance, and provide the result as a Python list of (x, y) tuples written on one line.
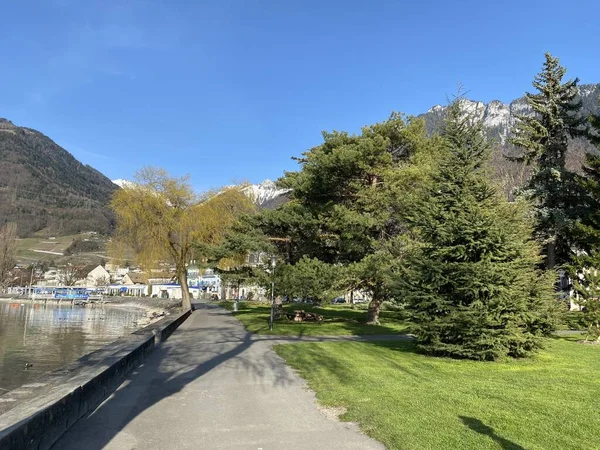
[(587, 231), (586, 263), (472, 286), (544, 137), (340, 208)]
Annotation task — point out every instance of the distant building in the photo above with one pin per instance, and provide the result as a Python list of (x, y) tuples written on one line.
[(94, 276), (116, 272), (51, 277), (135, 278)]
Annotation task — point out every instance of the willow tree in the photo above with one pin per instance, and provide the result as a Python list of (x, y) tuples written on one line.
[(163, 220)]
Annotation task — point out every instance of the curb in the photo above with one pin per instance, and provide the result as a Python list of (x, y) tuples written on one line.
[(38, 422)]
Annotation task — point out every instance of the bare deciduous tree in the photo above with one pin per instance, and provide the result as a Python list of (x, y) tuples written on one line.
[(8, 248), (68, 275)]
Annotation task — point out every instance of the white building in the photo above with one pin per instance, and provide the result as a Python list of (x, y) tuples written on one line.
[(98, 276)]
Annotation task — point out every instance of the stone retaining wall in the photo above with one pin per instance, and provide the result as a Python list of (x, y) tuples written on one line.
[(36, 415)]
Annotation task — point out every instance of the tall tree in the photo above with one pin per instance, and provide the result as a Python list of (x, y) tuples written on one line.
[(162, 219), (472, 287), (587, 232), (544, 137), (8, 248), (342, 208), (586, 263)]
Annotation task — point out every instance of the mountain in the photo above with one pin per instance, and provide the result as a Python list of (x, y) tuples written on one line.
[(123, 183), (499, 118), (43, 188), (266, 194)]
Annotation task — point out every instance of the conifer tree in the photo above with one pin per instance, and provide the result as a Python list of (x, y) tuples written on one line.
[(587, 234), (342, 201), (472, 286), (586, 264), (587, 285), (544, 137)]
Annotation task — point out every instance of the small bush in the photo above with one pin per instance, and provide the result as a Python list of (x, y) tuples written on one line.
[(573, 320), (81, 246)]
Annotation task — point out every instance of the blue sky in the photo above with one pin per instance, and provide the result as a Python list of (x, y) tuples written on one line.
[(230, 90)]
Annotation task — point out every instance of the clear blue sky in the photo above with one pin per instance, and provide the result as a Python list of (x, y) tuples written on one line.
[(230, 90)]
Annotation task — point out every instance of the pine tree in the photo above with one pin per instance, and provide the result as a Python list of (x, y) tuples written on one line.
[(544, 136), (472, 287), (341, 204)]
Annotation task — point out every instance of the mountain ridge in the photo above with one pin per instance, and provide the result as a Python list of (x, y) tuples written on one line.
[(499, 118), (263, 194), (45, 189)]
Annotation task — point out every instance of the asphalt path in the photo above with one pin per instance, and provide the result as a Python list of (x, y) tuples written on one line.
[(212, 385)]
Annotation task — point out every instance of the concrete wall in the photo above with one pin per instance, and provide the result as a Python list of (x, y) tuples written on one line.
[(37, 420)]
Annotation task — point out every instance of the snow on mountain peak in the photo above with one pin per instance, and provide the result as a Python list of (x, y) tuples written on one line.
[(123, 183), (263, 192), (259, 193), (435, 108)]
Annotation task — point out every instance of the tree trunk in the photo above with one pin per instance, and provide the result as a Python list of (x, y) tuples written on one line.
[(551, 255), (185, 290), (374, 308)]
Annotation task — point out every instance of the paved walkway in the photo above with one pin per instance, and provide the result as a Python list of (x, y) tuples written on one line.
[(212, 385)]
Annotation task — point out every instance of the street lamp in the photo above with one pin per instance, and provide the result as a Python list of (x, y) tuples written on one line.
[(273, 262)]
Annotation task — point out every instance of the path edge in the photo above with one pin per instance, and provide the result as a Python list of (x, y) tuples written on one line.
[(37, 423)]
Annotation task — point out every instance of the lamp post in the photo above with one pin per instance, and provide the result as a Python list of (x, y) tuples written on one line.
[(273, 262)]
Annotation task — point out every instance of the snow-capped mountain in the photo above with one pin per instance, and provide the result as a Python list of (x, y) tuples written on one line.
[(264, 193), (123, 183), (499, 118)]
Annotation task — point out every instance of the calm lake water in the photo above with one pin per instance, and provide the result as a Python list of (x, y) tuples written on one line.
[(50, 336)]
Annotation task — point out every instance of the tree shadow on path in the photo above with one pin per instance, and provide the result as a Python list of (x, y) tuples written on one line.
[(190, 353)]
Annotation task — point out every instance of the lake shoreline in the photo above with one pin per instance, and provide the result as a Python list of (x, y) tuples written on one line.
[(156, 308), (38, 336)]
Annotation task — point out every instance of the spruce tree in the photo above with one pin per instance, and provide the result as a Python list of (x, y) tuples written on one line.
[(586, 264), (472, 288), (587, 234), (544, 137), (587, 285)]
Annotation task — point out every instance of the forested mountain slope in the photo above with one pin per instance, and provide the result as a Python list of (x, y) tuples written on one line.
[(43, 188)]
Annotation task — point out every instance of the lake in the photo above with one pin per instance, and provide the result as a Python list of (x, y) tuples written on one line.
[(37, 338)]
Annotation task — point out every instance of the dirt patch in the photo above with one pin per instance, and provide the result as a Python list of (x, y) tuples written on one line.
[(332, 413)]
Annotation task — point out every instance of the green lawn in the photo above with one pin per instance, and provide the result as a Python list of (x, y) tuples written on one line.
[(40, 248), (338, 320), (408, 400)]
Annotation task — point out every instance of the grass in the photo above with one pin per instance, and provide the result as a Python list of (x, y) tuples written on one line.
[(338, 320), (31, 249), (26, 247), (407, 400)]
